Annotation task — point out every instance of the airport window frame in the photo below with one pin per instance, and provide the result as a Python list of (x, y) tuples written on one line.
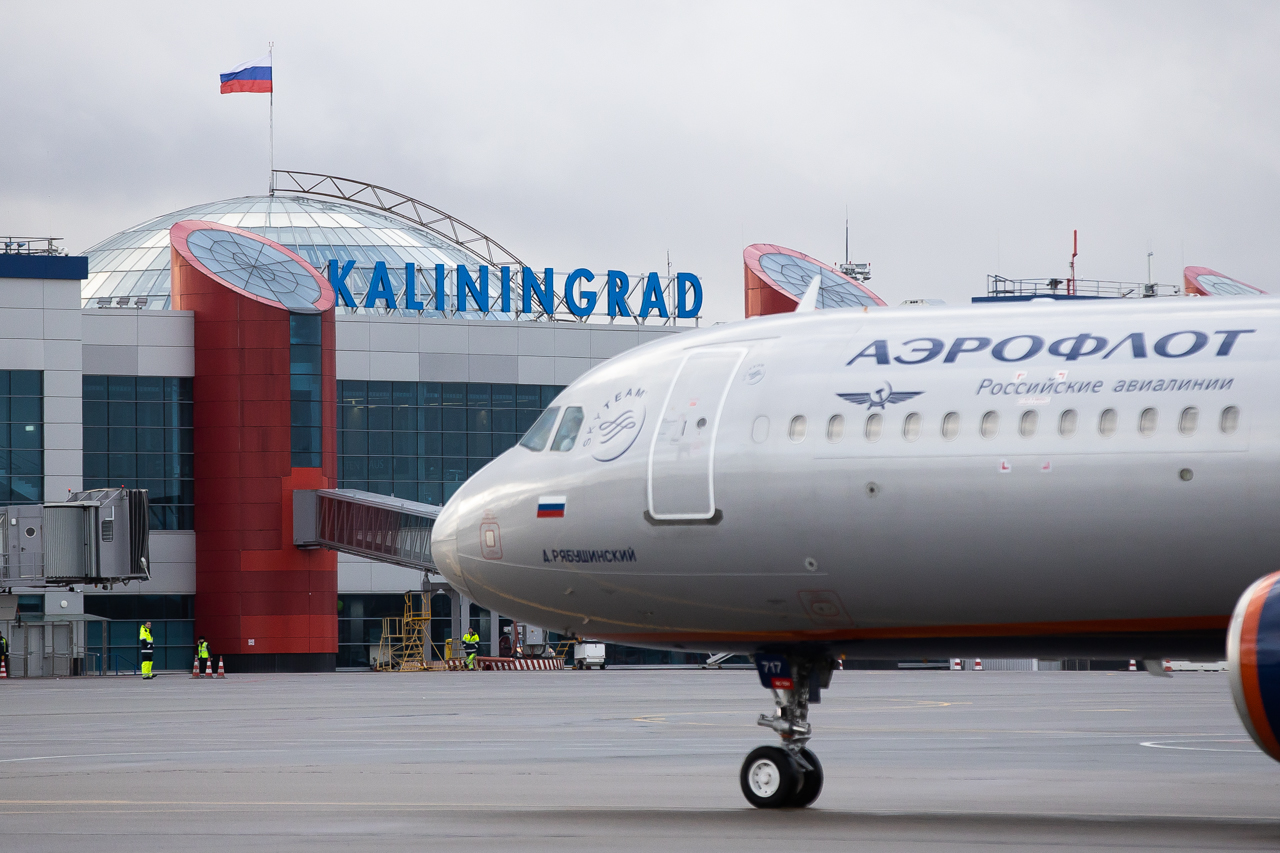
[(138, 432), (21, 437), (420, 441)]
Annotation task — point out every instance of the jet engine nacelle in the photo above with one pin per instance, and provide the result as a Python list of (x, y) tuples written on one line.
[(1253, 652)]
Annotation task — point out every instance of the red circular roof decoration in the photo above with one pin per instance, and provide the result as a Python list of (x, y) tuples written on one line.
[(253, 266), (788, 274)]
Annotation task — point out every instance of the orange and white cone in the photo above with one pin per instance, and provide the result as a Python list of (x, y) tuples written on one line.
[(195, 668), (1168, 666), (957, 663), (222, 673), (977, 665), (1133, 666), (4, 673)]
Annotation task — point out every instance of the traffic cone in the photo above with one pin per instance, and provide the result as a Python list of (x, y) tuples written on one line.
[(195, 668), (4, 673), (957, 663), (222, 673), (1168, 666), (208, 667), (1133, 666), (977, 665)]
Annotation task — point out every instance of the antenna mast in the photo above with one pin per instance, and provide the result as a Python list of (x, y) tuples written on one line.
[(1075, 245)]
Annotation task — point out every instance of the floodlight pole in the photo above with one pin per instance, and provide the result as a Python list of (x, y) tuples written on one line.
[(271, 121)]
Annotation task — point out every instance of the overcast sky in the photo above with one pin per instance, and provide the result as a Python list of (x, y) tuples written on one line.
[(964, 139)]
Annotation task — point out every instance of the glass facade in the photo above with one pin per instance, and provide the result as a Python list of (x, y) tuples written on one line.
[(112, 645), (304, 390), (360, 625), (138, 434), (21, 436), (420, 440)]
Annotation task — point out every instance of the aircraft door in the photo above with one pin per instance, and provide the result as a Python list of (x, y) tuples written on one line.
[(681, 457)]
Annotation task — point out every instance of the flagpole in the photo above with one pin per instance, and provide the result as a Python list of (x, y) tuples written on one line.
[(271, 183)]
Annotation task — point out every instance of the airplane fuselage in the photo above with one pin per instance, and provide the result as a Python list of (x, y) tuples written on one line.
[(1093, 479)]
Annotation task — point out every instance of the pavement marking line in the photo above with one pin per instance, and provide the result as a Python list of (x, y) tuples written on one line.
[(1157, 744)]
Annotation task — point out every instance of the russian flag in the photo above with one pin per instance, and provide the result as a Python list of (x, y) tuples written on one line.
[(551, 506), (252, 76)]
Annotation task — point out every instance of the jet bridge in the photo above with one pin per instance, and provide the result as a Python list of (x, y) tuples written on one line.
[(365, 524), (99, 537)]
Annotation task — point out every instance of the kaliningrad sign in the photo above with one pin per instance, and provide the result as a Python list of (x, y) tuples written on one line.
[(475, 291)]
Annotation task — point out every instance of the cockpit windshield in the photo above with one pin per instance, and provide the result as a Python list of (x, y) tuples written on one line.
[(568, 432), (536, 438)]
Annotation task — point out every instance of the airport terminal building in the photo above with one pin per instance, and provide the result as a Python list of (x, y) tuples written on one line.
[(437, 350)]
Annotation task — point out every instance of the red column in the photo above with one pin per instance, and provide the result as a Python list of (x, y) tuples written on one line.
[(260, 602)]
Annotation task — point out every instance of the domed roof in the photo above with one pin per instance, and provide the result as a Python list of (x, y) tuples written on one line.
[(135, 262)]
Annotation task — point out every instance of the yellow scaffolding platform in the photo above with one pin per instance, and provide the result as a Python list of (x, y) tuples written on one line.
[(404, 638)]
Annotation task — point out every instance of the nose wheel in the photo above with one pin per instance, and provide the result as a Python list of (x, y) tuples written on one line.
[(790, 775), (772, 778)]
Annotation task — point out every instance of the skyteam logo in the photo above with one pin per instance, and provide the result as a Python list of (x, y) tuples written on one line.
[(879, 398), (616, 424)]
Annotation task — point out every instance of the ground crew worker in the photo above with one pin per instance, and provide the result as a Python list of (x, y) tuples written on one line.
[(4, 652), (471, 647), (202, 652), (148, 648)]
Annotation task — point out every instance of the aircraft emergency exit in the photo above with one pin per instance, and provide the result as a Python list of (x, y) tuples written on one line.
[(1085, 480)]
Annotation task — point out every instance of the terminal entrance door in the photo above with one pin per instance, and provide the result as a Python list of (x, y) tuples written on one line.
[(681, 458)]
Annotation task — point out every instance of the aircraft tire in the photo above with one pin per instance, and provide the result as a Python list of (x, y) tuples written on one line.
[(769, 778), (810, 783)]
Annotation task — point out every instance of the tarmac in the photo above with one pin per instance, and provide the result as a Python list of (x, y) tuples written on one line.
[(626, 760)]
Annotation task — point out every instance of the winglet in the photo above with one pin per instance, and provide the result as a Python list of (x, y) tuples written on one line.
[(810, 301)]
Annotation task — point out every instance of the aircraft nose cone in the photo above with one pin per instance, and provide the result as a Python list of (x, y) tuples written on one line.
[(444, 545)]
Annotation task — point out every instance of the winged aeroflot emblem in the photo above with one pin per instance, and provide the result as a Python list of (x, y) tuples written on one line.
[(880, 397)]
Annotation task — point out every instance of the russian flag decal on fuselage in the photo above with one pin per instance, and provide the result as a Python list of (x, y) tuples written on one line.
[(551, 506)]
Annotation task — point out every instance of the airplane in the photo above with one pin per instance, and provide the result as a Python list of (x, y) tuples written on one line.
[(1095, 479)]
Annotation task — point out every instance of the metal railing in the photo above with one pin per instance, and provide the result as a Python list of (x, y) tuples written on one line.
[(998, 285), (31, 246)]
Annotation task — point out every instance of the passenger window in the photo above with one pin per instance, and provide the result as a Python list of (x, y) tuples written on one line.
[(568, 432), (798, 427), (1147, 422), (1230, 420), (990, 425), (1067, 423), (835, 428), (536, 438), (1027, 423), (874, 424), (1187, 423), (950, 425), (760, 430), (1107, 423), (911, 426)]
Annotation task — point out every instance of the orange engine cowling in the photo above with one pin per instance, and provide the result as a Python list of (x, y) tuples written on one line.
[(1253, 653)]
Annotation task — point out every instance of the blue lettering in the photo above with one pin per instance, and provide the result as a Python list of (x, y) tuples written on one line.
[(411, 288), (1077, 346), (1033, 348), (653, 297), (339, 281), (506, 290), (618, 285), (466, 284), (958, 347), (876, 349), (545, 291), (1197, 344), (1229, 339), (933, 351), (1136, 341), (684, 279), (380, 287), (440, 303), (588, 297)]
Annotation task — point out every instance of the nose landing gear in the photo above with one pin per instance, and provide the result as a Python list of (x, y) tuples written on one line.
[(788, 776)]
